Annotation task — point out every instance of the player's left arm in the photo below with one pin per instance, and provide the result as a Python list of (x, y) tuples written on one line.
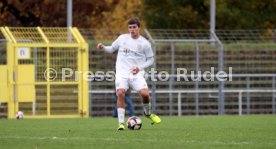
[(149, 62), (149, 59), (149, 56)]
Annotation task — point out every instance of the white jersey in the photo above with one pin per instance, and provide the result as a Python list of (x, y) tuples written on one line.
[(131, 52)]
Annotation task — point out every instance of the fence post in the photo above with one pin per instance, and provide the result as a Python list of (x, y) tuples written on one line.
[(197, 76), (221, 83), (247, 95), (273, 95), (171, 77), (179, 104), (153, 83), (90, 98), (240, 103)]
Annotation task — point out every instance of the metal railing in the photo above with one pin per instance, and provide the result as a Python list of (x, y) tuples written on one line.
[(180, 92), (198, 91)]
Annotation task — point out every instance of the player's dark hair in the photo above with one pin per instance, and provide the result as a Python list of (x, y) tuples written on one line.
[(134, 21)]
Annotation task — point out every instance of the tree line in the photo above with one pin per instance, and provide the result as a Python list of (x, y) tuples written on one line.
[(161, 14)]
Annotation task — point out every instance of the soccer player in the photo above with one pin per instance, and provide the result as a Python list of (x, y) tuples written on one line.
[(134, 55)]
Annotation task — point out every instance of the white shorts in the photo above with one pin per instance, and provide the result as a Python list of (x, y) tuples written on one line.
[(136, 83)]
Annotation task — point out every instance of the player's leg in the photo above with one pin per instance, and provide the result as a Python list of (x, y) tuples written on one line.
[(121, 87), (140, 85), (121, 108), (144, 93)]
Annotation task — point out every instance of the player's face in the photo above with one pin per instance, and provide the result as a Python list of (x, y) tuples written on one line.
[(133, 29)]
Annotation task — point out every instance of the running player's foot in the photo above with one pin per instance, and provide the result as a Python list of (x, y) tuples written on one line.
[(155, 119), (121, 127)]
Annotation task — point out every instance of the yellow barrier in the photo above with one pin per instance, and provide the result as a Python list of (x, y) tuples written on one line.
[(27, 85), (3, 84)]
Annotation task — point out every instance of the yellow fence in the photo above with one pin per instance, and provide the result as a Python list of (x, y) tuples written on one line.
[(44, 72)]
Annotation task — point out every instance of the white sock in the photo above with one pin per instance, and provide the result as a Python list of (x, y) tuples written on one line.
[(121, 115), (147, 108)]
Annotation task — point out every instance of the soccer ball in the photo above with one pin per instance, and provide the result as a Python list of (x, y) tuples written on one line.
[(134, 123), (19, 115)]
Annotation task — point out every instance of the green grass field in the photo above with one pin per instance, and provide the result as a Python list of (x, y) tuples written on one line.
[(173, 133)]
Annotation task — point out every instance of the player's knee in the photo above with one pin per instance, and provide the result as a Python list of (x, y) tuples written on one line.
[(144, 93), (120, 92)]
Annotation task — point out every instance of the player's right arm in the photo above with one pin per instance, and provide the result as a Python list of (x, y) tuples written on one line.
[(114, 46), (100, 46), (108, 49)]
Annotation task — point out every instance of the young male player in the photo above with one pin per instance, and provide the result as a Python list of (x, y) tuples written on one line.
[(134, 55)]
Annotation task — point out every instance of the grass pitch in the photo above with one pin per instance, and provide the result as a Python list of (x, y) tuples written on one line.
[(173, 133)]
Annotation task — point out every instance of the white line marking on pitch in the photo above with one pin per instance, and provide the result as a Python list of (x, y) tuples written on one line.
[(142, 140)]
